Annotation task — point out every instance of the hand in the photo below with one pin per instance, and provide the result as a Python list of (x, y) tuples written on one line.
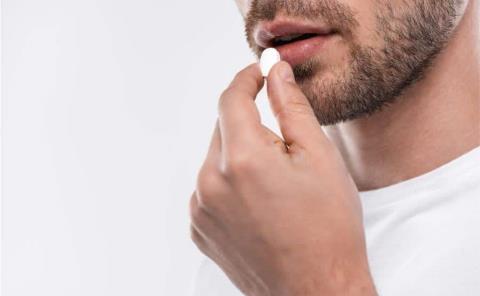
[(279, 216)]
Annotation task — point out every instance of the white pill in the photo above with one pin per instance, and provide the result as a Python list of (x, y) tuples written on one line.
[(270, 57)]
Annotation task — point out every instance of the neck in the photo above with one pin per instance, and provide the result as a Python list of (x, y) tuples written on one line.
[(432, 123)]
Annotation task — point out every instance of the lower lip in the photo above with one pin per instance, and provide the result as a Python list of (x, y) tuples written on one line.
[(297, 52)]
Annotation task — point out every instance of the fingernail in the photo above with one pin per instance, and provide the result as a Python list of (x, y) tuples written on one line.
[(285, 72)]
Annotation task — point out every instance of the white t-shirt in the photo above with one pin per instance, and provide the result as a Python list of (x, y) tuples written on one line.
[(423, 235)]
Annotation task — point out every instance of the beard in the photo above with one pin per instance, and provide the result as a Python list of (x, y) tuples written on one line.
[(374, 76)]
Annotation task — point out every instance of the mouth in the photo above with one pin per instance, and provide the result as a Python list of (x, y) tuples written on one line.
[(295, 41), (282, 40)]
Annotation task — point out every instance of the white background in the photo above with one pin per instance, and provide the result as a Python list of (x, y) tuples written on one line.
[(108, 107)]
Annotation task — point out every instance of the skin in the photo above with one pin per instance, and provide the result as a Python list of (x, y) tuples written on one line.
[(280, 214), (402, 142), (266, 206)]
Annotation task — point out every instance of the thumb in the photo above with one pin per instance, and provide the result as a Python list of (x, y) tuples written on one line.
[(295, 116)]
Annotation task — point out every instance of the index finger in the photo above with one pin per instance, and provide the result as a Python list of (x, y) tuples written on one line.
[(239, 119)]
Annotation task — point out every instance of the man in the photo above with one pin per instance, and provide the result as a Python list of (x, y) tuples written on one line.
[(373, 188)]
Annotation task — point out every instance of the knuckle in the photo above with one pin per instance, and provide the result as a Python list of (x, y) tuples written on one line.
[(209, 188), (243, 74), (195, 211), (227, 92), (207, 182), (196, 238), (226, 96), (240, 164), (231, 90), (239, 75), (223, 98)]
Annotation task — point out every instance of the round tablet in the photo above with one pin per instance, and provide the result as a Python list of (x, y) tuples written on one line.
[(270, 57)]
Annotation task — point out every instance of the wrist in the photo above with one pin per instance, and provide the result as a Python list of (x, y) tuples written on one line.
[(361, 288), (339, 281), (366, 288), (353, 282)]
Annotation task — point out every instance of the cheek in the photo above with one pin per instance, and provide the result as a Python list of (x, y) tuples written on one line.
[(365, 13)]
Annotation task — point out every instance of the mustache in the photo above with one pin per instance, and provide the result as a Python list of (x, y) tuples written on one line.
[(337, 16)]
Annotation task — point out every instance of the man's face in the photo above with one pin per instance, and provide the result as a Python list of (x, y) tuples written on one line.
[(352, 57)]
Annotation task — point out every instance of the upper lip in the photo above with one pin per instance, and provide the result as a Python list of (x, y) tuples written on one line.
[(266, 32)]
